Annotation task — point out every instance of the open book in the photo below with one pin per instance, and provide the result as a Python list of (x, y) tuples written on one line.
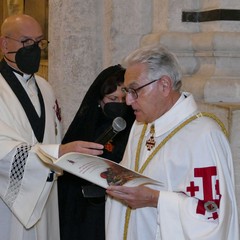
[(97, 170)]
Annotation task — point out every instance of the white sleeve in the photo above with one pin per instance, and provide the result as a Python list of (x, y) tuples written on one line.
[(192, 215), (25, 183)]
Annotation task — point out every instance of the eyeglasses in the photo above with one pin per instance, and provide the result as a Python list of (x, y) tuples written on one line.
[(43, 43), (133, 92)]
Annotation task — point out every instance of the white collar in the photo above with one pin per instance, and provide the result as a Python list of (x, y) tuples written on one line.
[(182, 109)]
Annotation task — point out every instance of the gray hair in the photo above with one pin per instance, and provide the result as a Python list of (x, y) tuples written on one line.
[(160, 61)]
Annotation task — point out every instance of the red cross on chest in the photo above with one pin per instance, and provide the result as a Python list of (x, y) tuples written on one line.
[(150, 143)]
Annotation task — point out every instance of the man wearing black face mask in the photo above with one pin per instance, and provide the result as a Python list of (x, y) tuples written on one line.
[(26, 53), (29, 117), (27, 58)]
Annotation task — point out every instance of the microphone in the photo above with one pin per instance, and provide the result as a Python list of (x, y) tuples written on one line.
[(118, 125)]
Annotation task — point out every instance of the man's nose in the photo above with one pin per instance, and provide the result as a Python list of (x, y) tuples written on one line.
[(129, 99)]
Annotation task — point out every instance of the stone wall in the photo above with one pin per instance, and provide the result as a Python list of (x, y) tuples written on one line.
[(88, 36)]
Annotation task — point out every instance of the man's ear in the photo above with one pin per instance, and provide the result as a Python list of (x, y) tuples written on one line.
[(3, 45), (166, 84)]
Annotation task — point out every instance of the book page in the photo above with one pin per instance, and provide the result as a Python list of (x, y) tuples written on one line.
[(100, 171), (49, 161)]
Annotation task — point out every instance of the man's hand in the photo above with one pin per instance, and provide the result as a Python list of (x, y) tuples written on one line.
[(90, 148), (134, 197)]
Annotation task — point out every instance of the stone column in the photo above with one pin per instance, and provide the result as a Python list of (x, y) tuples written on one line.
[(75, 55), (88, 36)]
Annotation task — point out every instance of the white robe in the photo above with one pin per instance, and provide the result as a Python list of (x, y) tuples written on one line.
[(186, 166), (28, 202)]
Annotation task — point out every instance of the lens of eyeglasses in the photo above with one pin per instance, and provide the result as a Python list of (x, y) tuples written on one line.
[(30, 42), (43, 43), (132, 93)]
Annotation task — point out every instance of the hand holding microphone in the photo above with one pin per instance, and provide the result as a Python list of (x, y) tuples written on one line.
[(118, 125)]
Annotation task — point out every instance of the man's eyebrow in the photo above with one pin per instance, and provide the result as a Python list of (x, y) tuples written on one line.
[(133, 85), (30, 37)]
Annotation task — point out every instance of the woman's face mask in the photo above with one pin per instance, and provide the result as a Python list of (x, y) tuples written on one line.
[(115, 109)]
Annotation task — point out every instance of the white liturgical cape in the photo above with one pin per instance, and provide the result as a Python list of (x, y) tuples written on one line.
[(28, 191), (197, 200)]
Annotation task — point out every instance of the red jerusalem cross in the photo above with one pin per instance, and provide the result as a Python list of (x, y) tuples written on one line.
[(150, 143), (192, 189), (206, 174)]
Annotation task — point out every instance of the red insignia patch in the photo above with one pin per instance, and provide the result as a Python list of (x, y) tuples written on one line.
[(210, 191), (57, 110), (109, 147)]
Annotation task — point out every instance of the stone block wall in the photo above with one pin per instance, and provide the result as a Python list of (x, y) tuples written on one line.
[(210, 62)]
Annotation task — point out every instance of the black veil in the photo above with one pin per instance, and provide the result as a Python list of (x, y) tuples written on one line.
[(89, 121)]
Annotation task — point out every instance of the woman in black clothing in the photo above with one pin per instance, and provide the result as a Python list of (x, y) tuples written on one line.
[(82, 204)]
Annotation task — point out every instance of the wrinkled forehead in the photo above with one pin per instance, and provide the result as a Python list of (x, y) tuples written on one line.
[(135, 74)]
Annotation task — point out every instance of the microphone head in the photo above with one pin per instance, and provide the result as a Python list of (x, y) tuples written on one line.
[(119, 124)]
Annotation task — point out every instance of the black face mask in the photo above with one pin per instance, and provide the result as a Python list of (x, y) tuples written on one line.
[(28, 59), (114, 109)]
